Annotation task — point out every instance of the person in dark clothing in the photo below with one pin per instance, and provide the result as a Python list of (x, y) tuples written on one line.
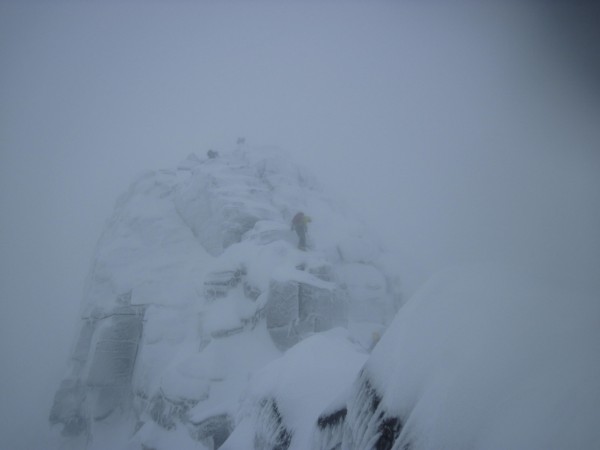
[(300, 225)]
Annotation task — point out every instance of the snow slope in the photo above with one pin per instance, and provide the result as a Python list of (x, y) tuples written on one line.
[(480, 358)]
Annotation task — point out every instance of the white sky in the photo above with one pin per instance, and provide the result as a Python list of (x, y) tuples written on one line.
[(458, 133)]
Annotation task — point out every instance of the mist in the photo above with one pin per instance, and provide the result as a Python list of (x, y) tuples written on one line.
[(458, 133)]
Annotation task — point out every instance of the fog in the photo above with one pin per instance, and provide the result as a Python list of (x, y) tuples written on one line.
[(459, 134)]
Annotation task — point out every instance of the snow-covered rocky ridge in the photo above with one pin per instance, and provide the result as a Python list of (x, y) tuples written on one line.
[(205, 327), (203, 324)]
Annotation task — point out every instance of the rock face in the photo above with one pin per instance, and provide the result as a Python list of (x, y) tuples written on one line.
[(197, 287)]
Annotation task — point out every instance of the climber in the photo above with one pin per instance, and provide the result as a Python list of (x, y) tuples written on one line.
[(212, 154), (300, 225)]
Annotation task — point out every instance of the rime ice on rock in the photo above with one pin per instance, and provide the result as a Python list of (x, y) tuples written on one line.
[(297, 308), (197, 284)]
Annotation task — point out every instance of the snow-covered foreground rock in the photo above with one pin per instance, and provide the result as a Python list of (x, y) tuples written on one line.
[(478, 359), (203, 324)]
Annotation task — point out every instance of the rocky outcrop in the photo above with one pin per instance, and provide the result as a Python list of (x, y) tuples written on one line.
[(197, 283), (362, 422)]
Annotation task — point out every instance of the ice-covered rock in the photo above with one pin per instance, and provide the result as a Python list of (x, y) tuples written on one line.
[(197, 283)]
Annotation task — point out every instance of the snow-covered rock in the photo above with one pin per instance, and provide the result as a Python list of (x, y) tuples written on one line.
[(284, 400), (205, 327), (197, 285), (481, 359)]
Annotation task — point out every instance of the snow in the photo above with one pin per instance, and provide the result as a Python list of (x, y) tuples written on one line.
[(304, 381), (151, 436), (145, 249), (486, 358)]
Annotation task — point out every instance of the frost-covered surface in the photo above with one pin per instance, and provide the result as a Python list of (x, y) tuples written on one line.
[(481, 359), (201, 316)]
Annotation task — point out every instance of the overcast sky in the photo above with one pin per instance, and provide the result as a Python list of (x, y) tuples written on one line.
[(459, 134)]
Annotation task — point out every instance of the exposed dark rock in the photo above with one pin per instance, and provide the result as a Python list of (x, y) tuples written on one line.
[(332, 420), (388, 430), (102, 373), (295, 310), (367, 422), (271, 432)]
